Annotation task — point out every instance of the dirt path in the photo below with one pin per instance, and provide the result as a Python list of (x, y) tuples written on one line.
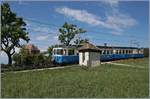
[(40, 69)]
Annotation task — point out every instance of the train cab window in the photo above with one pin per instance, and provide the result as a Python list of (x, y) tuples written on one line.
[(64, 52), (71, 52), (59, 51)]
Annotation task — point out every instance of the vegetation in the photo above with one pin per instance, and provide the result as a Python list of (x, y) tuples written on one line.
[(68, 32), (24, 59), (81, 41), (141, 62), (103, 81), (12, 31)]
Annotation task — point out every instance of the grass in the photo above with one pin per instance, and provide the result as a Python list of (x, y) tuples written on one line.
[(136, 62), (98, 82)]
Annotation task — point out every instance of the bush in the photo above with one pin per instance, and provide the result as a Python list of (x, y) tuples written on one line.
[(25, 60)]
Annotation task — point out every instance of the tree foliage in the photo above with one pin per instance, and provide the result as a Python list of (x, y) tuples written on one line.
[(23, 58), (81, 41), (68, 32), (12, 31)]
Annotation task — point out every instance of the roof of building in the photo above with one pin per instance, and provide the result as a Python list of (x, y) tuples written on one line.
[(31, 47), (89, 47)]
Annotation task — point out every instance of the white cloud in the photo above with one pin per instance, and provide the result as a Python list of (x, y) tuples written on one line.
[(43, 48), (121, 20), (112, 3), (115, 21), (55, 37), (116, 33), (42, 29), (42, 37), (80, 15)]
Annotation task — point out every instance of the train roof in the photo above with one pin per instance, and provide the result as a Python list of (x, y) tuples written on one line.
[(117, 47)]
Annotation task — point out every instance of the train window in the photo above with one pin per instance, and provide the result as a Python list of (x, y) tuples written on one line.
[(71, 52), (61, 52), (111, 51), (116, 51), (126, 51), (55, 51), (108, 52), (104, 52), (123, 52), (100, 52), (64, 52), (119, 51), (58, 51), (130, 51)]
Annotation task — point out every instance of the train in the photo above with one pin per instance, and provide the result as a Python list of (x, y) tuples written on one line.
[(70, 55)]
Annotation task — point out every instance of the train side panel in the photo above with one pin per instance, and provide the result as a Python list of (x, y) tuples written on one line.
[(66, 59), (119, 56)]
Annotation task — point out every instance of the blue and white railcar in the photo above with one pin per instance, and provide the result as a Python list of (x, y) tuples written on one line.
[(65, 55), (115, 53)]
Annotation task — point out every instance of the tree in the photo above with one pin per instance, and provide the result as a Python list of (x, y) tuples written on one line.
[(12, 31), (68, 32), (81, 41), (24, 58)]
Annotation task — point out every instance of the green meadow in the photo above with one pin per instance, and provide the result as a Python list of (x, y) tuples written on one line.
[(98, 82)]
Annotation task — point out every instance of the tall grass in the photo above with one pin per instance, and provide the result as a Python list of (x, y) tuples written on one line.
[(102, 81)]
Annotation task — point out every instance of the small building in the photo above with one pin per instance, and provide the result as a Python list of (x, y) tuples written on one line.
[(89, 55), (32, 49)]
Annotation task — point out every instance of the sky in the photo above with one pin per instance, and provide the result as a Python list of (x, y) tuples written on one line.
[(117, 23)]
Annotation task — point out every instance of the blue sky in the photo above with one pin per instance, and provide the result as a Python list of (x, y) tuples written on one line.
[(117, 23)]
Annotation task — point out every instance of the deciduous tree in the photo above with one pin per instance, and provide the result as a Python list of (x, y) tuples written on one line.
[(12, 31), (68, 32)]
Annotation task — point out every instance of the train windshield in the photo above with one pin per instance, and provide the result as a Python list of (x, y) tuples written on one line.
[(58, 52)]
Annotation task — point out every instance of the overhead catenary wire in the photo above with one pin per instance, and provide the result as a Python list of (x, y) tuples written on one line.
[(89, 31)]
